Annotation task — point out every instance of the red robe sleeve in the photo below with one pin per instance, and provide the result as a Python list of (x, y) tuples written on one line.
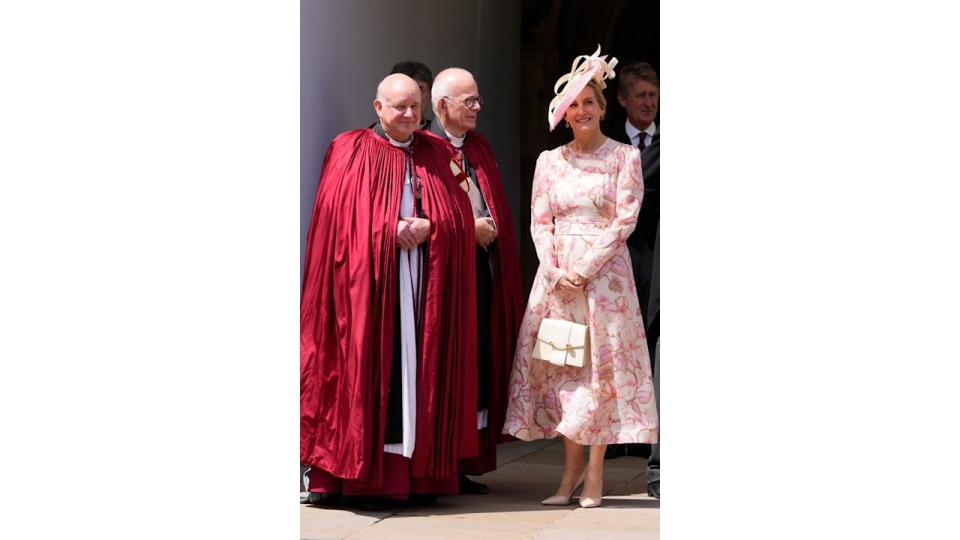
[(508, 301), (446, 382), (346, 310), (507, 304)]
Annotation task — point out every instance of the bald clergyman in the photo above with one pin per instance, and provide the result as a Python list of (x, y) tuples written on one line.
[(387, 333)]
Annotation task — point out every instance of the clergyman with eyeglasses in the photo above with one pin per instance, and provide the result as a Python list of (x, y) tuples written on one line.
[(456, 105)]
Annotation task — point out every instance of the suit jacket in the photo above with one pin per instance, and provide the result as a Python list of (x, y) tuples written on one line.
[(653, 307), (644, 238)]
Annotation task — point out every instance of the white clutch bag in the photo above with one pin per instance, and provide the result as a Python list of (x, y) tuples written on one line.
[(562, 343)]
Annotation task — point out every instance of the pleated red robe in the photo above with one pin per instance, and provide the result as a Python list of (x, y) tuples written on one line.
[(347, 312), (508, 299)]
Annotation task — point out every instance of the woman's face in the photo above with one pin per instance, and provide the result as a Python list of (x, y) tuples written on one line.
[(584, 113)]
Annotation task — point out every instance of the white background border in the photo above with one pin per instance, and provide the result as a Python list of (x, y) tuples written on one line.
[(149, 236)]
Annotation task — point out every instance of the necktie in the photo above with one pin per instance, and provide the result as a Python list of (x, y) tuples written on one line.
[(643, 141)]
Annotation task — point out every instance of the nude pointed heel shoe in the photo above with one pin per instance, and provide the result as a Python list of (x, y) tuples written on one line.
[(587, 502), (560, 500), (590, 502)]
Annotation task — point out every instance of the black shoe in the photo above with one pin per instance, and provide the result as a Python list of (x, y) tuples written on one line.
[(654, 490), (321, 499), (469, 487), (614, 451)]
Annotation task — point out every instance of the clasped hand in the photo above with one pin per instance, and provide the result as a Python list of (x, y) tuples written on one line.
[(411, 232), (571, 281), (486, 231)]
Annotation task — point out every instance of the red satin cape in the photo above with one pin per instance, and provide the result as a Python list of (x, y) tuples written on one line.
[(508, 298), (347, 312)]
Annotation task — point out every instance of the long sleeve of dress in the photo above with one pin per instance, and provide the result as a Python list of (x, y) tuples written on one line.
[(629, 197), (541, 224)]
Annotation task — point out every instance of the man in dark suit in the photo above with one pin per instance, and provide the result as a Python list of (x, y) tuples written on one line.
[(653, 311), (639, 95)]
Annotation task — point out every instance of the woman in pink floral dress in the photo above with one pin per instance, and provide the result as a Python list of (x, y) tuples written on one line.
[(585, 202)]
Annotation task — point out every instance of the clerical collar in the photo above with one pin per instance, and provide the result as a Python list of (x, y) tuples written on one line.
[(378, 129), (437, 128), (633, 132), (398, 143), (457, 142)]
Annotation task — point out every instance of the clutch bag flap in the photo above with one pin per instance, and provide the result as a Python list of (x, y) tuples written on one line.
[(562, 342)]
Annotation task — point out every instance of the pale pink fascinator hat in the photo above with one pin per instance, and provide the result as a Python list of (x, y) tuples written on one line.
[(570, 85)]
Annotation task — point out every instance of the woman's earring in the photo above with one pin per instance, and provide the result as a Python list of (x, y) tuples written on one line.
[(566, 124)]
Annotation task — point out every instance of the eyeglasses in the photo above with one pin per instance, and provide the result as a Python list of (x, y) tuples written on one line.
[(469, 102)]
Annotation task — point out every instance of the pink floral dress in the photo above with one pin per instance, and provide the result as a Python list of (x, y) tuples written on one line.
[(584, 207)]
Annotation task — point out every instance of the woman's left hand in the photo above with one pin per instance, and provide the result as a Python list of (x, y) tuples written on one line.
[(571, 281)]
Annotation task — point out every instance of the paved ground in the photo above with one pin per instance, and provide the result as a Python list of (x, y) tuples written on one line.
[(528, 473)]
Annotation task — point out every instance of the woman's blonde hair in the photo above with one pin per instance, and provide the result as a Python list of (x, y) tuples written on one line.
[(597, 91)]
